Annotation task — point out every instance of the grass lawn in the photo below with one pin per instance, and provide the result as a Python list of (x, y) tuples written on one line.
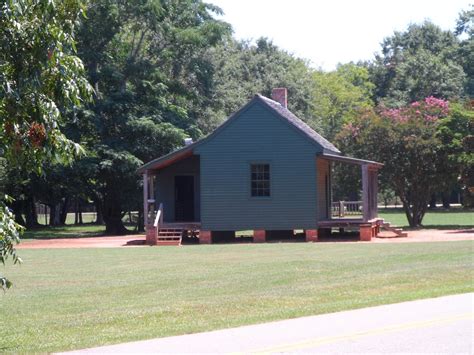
[(455, 218), (438, 219), (75, 298)]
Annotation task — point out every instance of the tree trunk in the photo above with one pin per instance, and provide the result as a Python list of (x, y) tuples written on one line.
[(18, 207), (446, 197), (76, 214), (55, 214), (140, 226), (99, 214), (64, 209), (30, 213), (114, 225), (79, 212), (112, 213), (433, 201)]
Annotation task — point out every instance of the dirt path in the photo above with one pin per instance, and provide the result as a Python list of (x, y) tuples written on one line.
[(425, 235), (89, 242), (428, 235)]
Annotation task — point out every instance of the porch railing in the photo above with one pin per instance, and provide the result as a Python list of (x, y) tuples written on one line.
[(343, 209)]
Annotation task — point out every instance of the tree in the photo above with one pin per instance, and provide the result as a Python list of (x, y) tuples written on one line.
[(423, 61), (465, 28), (406, 140), (41, 81), (147, 63), (242, 69), (339, 96), (456, 133)]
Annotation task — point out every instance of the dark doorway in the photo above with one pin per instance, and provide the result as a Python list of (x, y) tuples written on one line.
[(184, 198)]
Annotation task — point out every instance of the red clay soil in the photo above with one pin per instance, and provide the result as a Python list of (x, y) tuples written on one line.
[(428, 235), (425, 235), (90, 242)]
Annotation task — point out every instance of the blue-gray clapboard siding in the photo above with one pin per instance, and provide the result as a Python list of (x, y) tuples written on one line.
[(258, 135), (165, 186)]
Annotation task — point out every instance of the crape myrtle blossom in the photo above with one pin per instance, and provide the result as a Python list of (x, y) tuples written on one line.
[(427, 111), (430, 110)]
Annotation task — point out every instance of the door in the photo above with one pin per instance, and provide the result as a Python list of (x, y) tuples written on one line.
[(184, 198)]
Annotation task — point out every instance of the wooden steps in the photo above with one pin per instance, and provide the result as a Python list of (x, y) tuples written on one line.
[(394, 229), (169, 236)]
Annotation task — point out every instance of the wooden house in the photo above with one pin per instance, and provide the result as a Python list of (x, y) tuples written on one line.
[(263, 169)]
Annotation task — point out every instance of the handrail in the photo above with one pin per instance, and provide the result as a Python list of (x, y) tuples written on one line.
[(159, 217)]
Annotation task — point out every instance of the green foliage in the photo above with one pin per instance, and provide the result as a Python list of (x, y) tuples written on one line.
[(147, 63), (9, 236), (406, 140), (41, 81), (420, 62), (456, 133), (465, 31), (339, 96), (243, 69)]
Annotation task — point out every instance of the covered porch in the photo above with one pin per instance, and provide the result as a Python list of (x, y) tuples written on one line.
[(360, 215)]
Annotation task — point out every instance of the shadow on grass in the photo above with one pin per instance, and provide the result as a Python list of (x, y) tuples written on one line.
[(68, 232), (443, 227), (469, 229), (439, 210)]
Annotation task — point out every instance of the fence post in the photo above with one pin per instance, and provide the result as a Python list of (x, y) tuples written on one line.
[(341, 209)]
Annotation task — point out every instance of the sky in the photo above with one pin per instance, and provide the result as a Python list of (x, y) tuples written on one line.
[(333, 31)]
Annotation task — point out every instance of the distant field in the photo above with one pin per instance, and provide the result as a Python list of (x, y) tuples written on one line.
[(66, 299), (437, 219)]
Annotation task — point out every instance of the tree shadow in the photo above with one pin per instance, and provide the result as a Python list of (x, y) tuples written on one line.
[(69, 232)]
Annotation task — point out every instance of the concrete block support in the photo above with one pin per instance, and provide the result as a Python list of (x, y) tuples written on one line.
[(311, 235), (366, 232), (205, 237), (151, 235), (259, 236)]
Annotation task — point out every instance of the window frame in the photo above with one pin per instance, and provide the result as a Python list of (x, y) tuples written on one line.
[(259, 180)]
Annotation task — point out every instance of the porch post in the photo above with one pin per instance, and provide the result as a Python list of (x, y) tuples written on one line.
[(145, 198), (375, 192), (365, 192)]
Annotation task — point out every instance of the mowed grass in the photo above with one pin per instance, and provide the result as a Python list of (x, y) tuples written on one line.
[(76, 298), (453, 218)]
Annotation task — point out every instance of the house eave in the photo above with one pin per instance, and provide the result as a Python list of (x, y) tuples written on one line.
[(350, 160)]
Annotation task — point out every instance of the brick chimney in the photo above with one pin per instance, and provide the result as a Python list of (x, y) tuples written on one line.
[(280, 95)]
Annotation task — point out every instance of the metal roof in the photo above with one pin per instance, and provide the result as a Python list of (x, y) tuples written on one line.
[(298, 123)]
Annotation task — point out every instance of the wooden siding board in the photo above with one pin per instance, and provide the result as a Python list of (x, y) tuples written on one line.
[(164, 191), (258, 135)]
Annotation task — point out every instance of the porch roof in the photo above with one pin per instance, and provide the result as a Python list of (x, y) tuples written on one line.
[(168, 159), (351, 160)]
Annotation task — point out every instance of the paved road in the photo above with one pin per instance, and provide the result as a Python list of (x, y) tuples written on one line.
[(437, 325)]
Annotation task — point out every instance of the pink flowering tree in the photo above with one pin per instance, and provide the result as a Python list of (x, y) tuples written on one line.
[(406, 141)]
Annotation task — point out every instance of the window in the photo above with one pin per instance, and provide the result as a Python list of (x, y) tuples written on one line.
[(260, 180)]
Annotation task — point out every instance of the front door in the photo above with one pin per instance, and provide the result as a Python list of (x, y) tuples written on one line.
[(184, 198)]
